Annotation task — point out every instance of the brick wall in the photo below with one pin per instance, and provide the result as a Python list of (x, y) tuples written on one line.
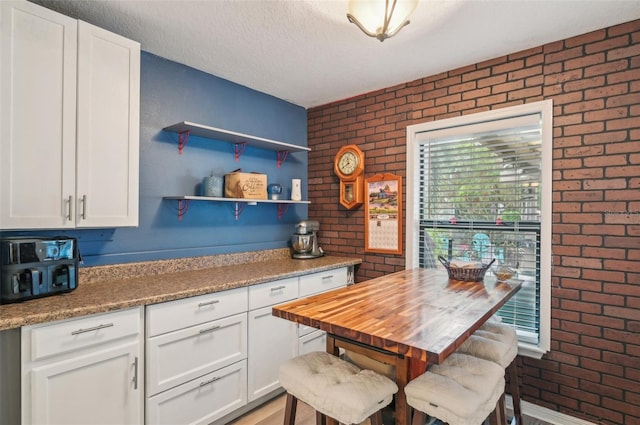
[(593, 369)]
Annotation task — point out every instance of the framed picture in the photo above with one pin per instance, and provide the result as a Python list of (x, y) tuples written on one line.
[(383, 214)]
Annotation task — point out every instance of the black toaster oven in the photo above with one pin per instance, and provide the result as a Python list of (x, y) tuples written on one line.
[(37, 267)]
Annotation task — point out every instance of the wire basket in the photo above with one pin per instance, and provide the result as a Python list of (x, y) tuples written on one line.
[(465, 274)]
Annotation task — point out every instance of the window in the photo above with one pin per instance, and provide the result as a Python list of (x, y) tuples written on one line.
[(479, 188)]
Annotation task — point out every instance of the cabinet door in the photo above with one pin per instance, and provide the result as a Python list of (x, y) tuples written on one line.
[(103, 387), (108, 128), (37, 124), (272, 341)]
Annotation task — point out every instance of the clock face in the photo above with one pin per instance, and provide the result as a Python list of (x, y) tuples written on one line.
[(348, 163)]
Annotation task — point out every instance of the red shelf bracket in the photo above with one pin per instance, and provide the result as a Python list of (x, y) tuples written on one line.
[(239, 150), (239, 208), (282, 210), (183, 138), (183, 206), (281, 155)]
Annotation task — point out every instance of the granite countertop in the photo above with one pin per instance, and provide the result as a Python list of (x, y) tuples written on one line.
[(108, 293)]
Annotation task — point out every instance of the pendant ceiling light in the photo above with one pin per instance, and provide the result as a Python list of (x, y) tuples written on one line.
[(380, 18)]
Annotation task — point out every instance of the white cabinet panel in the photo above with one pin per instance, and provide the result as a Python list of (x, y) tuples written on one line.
[(272, 293), (38, 51), (76, 334), (315, 341), (202, 400), (322, 281), (97, 378), (173, 315), (100, 387), (108, 128), (179, 356), (272, 341)]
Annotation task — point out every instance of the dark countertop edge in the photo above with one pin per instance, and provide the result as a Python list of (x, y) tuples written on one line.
[(112, 295)]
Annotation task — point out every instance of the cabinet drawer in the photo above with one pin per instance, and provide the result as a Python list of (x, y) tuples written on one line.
[(322, 281), (315, 341), (272, 293), (180, 356), (174, 315), (75, 334), (202, 400)]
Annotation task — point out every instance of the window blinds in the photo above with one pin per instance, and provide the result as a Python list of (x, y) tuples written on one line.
[(479, 198)]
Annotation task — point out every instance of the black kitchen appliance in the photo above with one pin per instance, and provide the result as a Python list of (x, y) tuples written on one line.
[(37, 267)]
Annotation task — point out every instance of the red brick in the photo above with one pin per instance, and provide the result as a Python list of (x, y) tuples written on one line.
[(606, 68), (624, 52), (622, 100)]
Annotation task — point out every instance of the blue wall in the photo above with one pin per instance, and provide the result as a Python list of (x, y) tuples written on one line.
[(170, 93)]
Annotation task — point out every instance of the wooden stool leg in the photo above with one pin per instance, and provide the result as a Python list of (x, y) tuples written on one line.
[(290, 410), (497, 416), (320, 418), (376, 418), (419, 418), (514, 389)]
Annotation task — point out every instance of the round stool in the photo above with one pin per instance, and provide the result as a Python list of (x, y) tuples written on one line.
[(335, 388), (498, 343), (463, 390)]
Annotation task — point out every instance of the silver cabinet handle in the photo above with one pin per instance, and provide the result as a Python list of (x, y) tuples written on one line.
[(95, 328), (135, 373), (83, 201), (210, 381), (208, 303), (277, 288), (263, 315), (327, 277), (211, 329), (69, 202)]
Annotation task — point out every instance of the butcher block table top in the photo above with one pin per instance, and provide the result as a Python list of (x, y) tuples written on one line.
[(417, 313), (408, 319)]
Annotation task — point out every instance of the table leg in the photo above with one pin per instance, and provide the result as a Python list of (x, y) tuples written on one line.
[(403, 411), (332, 348)]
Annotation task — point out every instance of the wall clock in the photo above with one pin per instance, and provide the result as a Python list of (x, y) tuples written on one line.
[(349, 167)]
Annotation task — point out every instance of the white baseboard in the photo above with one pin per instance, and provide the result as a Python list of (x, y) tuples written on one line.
[(542, 413)]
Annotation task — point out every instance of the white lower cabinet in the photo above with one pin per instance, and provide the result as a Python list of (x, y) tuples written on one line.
[(84, 371), (196, 360), (203, 400), (314, 341), (310, 338), (272, 340), (196, 357)]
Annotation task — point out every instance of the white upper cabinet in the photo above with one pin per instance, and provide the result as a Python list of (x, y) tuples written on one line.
[(69, 122), (108, 128), (38, 56)]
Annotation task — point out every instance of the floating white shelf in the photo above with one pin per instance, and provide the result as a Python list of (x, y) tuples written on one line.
[(240, 203), (186, 128)]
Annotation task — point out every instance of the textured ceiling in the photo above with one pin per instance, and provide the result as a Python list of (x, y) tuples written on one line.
[(306, 52)]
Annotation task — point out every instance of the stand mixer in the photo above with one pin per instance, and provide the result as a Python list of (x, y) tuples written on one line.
[(304, 242)]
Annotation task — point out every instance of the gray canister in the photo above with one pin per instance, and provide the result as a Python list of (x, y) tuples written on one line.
[(212, 186)]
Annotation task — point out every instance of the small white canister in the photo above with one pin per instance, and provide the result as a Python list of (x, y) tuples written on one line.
[(296, 191)]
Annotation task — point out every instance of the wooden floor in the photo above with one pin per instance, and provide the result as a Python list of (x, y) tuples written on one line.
[(272, 413)]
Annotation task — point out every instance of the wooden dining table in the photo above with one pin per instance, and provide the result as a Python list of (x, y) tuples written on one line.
[(408, 319)]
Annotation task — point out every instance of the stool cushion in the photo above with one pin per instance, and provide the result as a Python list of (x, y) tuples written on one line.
[(463, 390), (490, 346), (335, 387)]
